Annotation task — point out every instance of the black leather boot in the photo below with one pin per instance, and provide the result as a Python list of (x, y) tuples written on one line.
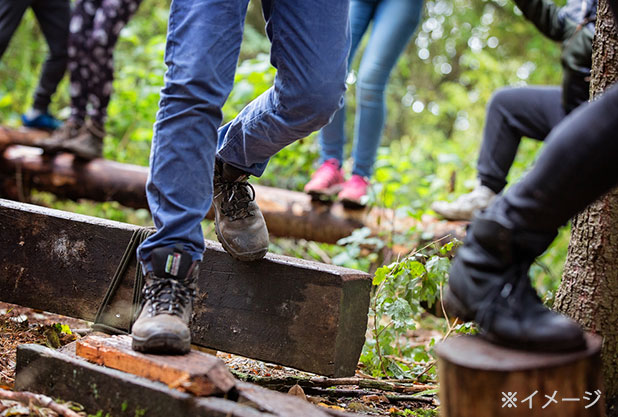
[(489, 283), (239, 223), (163, 323)]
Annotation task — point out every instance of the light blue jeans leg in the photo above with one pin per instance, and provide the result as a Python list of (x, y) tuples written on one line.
[(203, 43), (332, 137), (310, 44), (394, 23)]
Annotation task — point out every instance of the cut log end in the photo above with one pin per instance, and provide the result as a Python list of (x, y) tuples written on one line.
[(481, 379)]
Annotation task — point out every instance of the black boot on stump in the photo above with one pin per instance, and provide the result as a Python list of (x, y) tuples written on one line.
[(489, 284)]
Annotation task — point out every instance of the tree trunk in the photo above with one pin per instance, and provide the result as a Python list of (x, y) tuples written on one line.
[(589, 289)]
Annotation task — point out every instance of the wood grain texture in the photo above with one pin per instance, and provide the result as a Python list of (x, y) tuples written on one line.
[(475, 375), (196, 372), (283, 310)]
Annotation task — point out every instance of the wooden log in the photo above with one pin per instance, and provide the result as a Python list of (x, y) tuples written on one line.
[(196, 372), (479, 379), (62, 374), (288, 213), (293, 312)]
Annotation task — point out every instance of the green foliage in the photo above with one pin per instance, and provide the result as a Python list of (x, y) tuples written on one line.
[(421, 412), (402, 291)]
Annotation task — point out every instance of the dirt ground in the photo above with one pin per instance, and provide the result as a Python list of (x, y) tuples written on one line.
[(19, 325)]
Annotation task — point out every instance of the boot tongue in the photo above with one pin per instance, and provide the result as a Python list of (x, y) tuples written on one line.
[(171, 263), (232, 174)]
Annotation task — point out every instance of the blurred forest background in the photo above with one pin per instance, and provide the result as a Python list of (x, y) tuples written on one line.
[(462, 52)]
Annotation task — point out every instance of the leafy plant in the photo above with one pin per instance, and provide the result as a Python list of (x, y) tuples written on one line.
[(402, 290)]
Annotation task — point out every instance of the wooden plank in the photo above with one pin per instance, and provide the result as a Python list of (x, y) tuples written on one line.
[(476, 376), (296, 313), (287, 213), (196, 372), (64, 375)]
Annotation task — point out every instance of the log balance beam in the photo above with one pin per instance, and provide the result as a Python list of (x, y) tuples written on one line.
[(284, 310), (287, 213)]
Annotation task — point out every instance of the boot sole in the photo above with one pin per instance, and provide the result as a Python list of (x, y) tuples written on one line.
[(328, 193), (168, 344), (352, 204), (244, 256), (455, 307)]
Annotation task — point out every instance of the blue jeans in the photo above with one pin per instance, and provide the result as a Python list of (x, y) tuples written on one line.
[(394, 23), (310, 43)]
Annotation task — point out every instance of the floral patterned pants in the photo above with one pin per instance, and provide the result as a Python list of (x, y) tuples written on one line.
[(95, 26)]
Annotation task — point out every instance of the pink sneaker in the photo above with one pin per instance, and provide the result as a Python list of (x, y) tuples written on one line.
[(353, 191), (327, 180)]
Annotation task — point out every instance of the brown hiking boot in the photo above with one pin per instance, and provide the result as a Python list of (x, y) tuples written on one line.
[(163, 323), (239, 223), (88, 144), (69, 130)]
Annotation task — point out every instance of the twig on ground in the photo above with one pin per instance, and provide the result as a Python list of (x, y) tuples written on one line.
[(39, 400)]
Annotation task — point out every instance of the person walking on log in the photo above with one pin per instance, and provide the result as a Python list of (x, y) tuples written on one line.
[(531, 111), (53, 17), (195, 163), (488, 281), (95, 27), (394, 23)]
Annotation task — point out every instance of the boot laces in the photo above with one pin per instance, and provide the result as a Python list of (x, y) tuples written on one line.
[(237, 198), (167, 295)]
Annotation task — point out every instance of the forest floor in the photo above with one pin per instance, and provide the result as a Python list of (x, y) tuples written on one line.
[(19, 325)]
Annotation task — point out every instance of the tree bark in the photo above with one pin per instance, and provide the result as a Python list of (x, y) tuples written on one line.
[(589, 289)]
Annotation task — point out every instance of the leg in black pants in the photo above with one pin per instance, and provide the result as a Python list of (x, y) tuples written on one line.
[(512, 113), (488, 280), (53, 17)]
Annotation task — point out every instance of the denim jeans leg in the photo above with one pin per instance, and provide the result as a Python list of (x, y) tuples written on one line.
[(203, 43), (332, 137), (310, 44), (394, 23)]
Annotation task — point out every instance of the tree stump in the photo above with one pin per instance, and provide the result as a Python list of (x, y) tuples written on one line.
[(479, 379)]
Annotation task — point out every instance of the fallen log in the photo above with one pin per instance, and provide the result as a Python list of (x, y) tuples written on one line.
[(293, 312), (288, 213)]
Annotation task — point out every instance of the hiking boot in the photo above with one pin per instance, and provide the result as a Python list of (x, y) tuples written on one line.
[(466, 205), (64, 133), (42, 121), (163, 323), (354, 192), (326, 181), (88, 144), (489, 283), (239, 223)]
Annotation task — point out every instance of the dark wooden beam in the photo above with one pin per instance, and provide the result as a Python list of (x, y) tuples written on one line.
[(288, 213), (283, 310)]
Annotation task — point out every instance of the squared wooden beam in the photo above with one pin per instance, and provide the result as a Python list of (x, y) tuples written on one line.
[(293, 312)]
